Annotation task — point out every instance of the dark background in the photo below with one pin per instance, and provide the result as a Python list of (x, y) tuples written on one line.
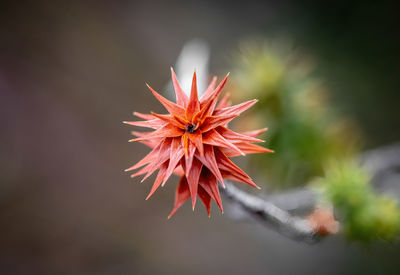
[(71, 71)]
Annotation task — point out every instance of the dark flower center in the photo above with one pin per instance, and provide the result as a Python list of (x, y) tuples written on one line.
[(191, 128)]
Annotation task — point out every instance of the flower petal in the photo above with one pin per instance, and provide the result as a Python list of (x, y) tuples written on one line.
[(175, 156), (197, 139), (255, 133), (160, 178), (171, 107), (206, 199), (214, 138), (210, 101), (236, 109), (154, 123), (151, 156), (163, 155), (167, 130), (235, 137), (224, 102), (143, 116), (209, 96), (212, 122), (182, 194), (194, 104), (247, 148), (193, 179), (181, 97), (209, 90), (189, 159), (150, 143), (210, 162), (170, 119), (226, 164), (143, 171), (179, 171), (209, 183)]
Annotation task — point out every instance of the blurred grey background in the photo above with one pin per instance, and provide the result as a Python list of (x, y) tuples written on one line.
[(71, 71)]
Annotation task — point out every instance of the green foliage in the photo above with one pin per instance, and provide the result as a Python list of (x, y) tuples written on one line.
[(366, 215)]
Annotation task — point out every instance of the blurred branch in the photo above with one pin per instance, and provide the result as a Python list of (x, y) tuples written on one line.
[(280, 211), (273, 216), (298, 201)]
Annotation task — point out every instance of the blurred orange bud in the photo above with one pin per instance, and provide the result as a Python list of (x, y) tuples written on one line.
[(323, 222)]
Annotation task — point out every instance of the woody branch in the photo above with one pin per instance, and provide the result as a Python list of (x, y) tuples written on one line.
[(279, 211)]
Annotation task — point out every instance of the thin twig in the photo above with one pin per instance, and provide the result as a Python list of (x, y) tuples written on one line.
[(279, 211), (273, 216)]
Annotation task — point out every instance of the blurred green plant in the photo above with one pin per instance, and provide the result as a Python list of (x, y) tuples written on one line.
[(310, 139), (366, 216), (303, 130)]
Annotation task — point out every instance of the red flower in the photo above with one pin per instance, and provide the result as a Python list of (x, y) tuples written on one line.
[(193, 141)]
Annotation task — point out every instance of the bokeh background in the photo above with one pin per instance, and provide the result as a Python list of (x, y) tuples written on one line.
[(71, 71)]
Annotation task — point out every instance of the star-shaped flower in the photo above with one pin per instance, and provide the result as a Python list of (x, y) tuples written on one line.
[(193, 141)]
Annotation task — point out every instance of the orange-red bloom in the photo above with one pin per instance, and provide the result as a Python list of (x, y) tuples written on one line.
[(193, 141)]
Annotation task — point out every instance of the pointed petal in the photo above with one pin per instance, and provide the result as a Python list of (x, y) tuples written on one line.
[(246, 148), (224, 102), (235, 137), (193, 179), (209, 183), (201, 115), (197, 139), (151, 156), (162, 156), (212, 122), (181, 97), (193, 105), (205, 111), (170, 119), (189, 159), (143, 116), (214, 94), (209, 90), (154, 123), (206, 199), (175, 156), (255, 133), (166, 131), (139, 134), (210, 102), (210, 162), (226, 164), (236, 109), (150, 143), (171, 107), (181, 120), (179, 171), (185, 144), (238, 178), (160, 178), (142, 171), (182, 194), (212, 137)]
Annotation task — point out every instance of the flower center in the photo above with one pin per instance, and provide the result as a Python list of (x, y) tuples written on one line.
[(191, 128)]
